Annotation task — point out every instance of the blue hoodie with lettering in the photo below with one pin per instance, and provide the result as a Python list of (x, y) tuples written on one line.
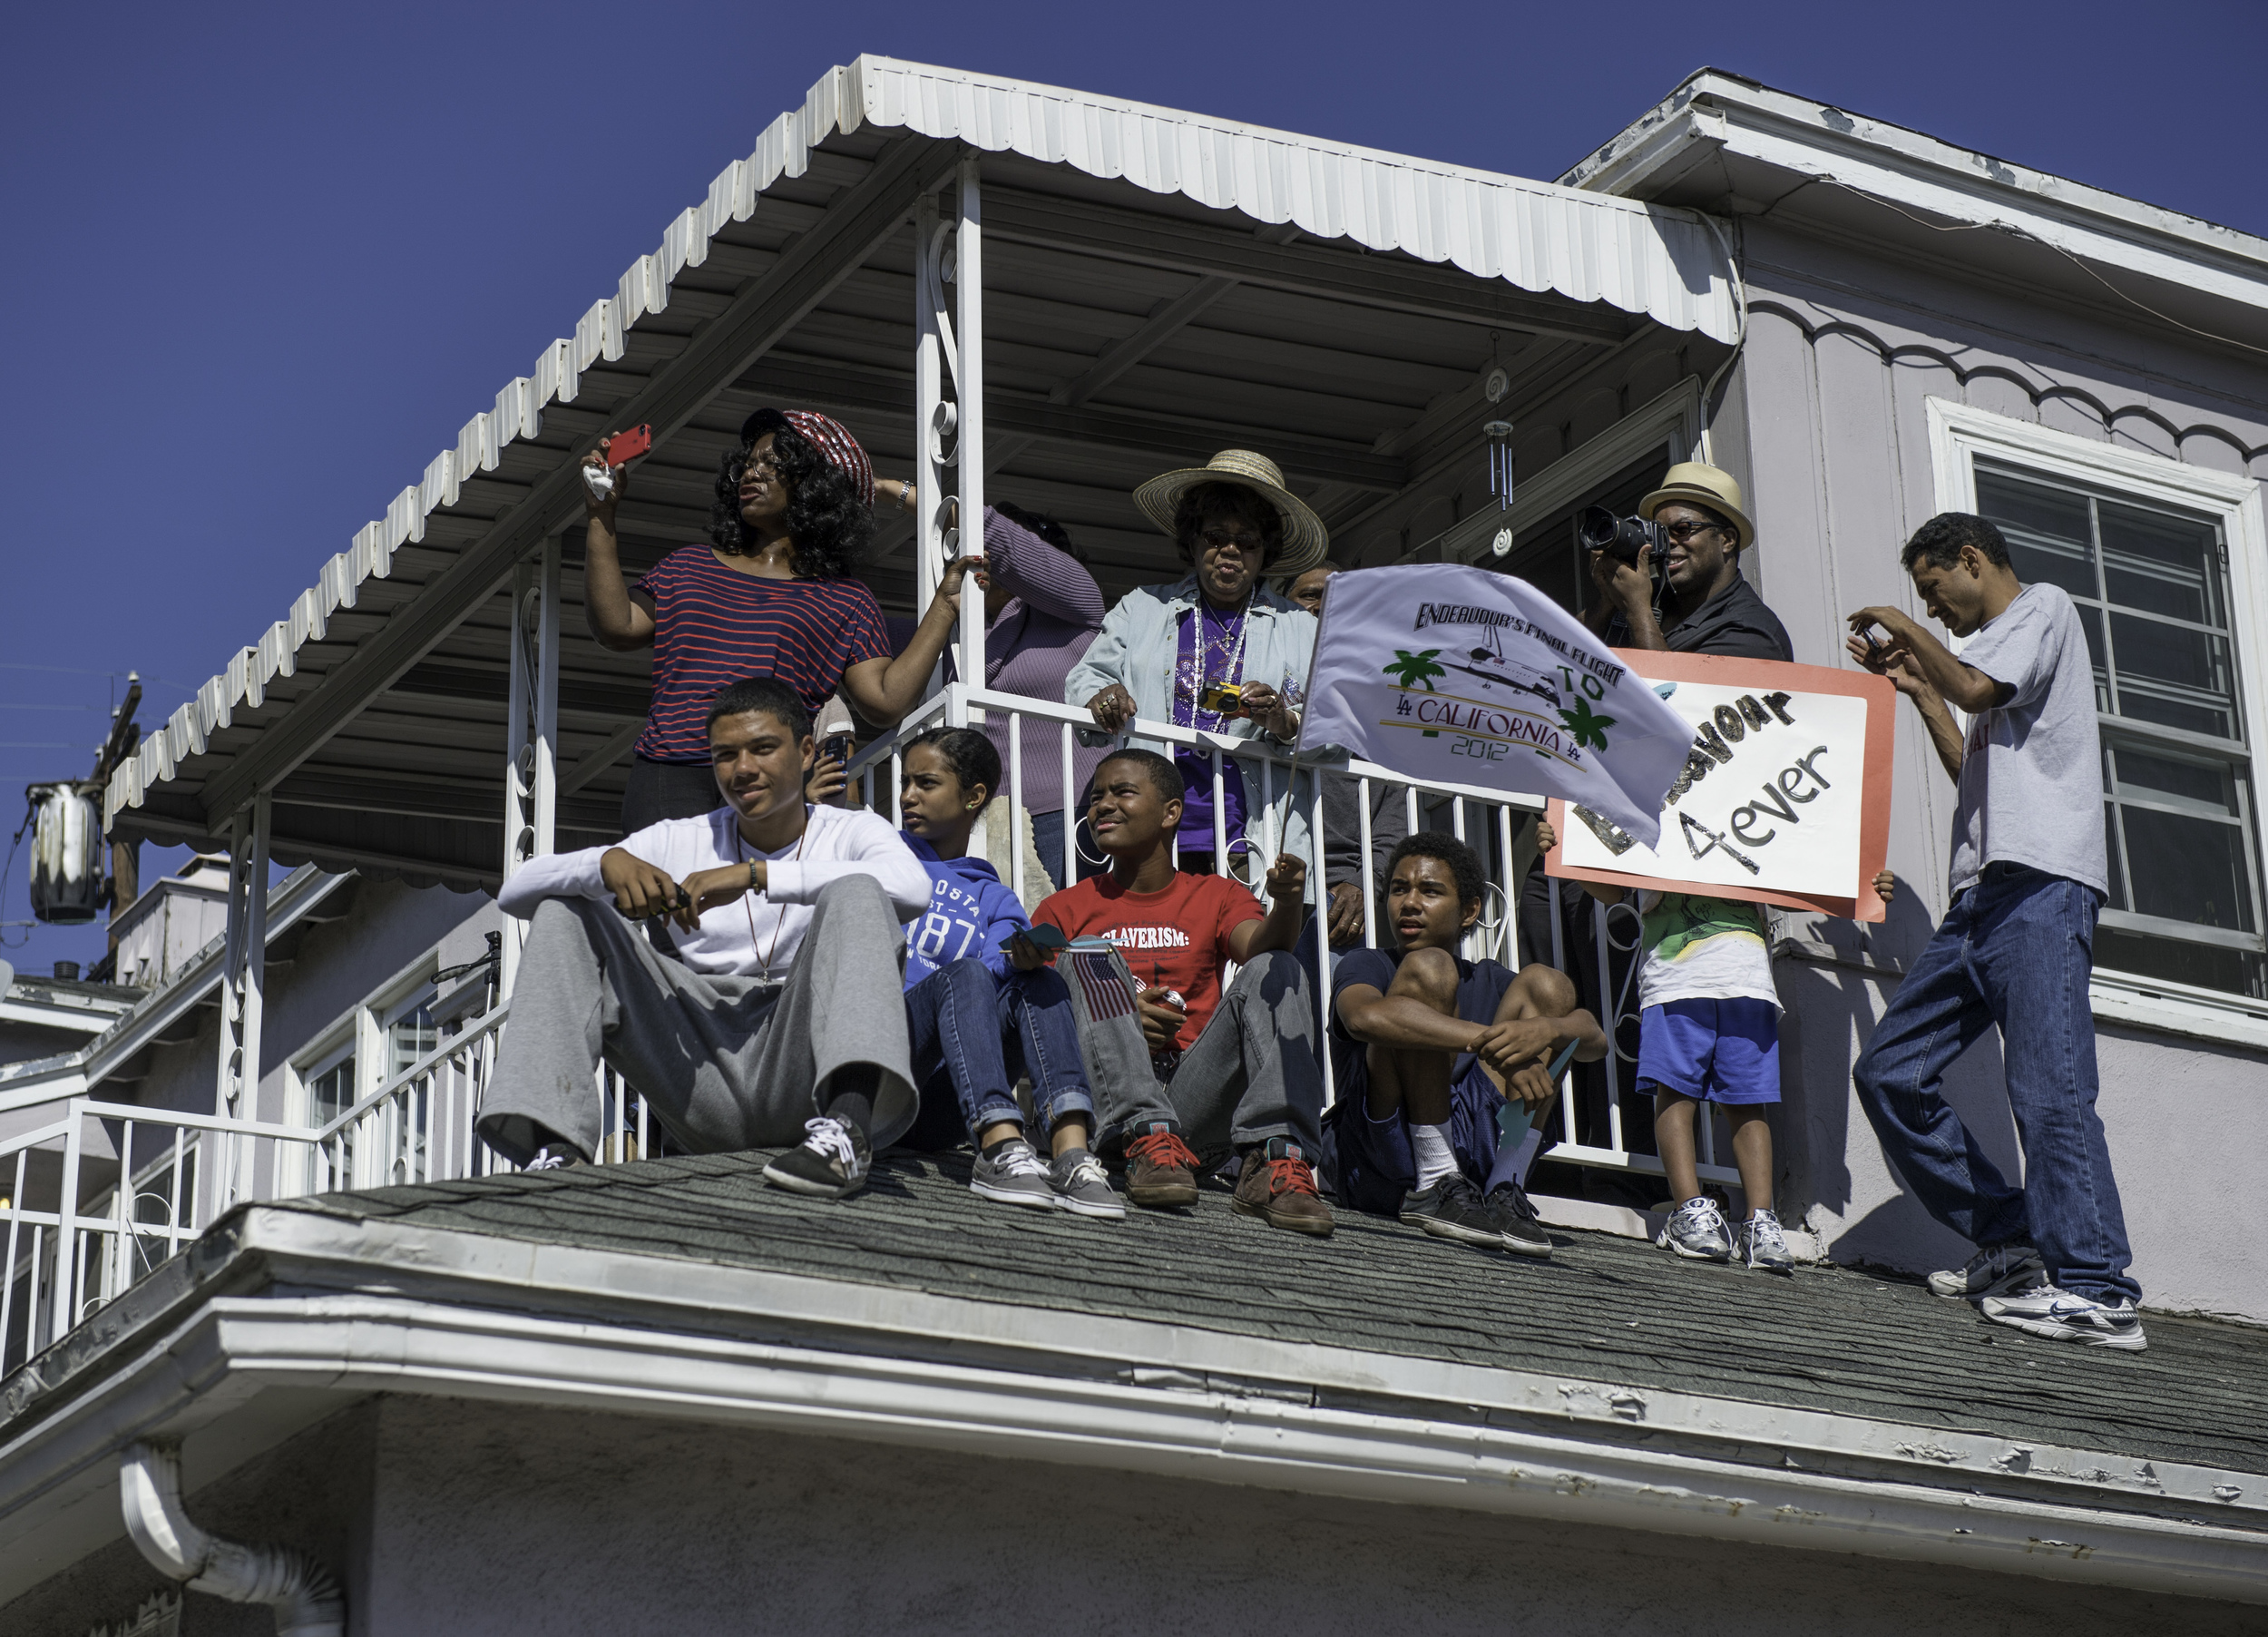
[(970, 914)]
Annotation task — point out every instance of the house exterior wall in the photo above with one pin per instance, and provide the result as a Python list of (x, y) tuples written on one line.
[(389, 930), (1828, 424), (443, 1516)]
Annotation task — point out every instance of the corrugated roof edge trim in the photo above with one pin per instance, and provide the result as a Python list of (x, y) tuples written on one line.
[(1540, 236)]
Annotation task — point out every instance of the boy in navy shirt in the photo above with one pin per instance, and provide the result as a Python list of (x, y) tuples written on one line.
[(982, 1004), (1429, 1047)]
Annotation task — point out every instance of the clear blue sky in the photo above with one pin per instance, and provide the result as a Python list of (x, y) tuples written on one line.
[(263, 261)]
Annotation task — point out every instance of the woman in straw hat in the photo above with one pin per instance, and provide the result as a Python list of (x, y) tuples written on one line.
[(1166, 651)]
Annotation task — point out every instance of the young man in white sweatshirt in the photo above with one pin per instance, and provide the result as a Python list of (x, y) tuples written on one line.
[(758, 1002)]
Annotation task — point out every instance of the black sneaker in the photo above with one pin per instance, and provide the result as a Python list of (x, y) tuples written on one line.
[(1451, 1209), (832, 1164), (554, 1156), (1515, 1217)]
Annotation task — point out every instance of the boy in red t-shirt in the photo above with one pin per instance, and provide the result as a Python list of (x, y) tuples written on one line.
[(1171, 1057)]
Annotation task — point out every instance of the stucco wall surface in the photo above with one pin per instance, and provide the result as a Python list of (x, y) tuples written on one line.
[(504, 1521), (1829, 424)]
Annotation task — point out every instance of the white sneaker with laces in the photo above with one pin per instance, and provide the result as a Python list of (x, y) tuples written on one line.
[(1995, 1271), (2061, 1316), (1763, 1245), (1697, 1232)]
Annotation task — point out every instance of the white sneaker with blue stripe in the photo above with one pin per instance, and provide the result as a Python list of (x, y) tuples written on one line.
[(2061, 1316)]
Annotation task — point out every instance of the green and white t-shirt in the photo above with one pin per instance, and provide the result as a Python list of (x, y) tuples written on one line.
[(1697, 948)]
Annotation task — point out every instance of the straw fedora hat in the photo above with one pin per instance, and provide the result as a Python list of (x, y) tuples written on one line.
[(1699, 484), (1306, 540)]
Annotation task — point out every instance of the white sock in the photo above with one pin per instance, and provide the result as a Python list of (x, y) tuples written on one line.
[(1435, 1158), (1511, 1164)]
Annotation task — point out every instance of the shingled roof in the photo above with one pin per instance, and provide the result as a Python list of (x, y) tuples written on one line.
[(1878, 1418)]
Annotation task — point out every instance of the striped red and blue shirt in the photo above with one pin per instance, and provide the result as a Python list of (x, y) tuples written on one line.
[(714, 625)]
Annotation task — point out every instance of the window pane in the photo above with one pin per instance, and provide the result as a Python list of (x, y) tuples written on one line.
[(2118, 900), (2189, 869), (2166, 564), (332, 1092), (409, 1037), (2204, 965), (2185, 779), (2046, 530)]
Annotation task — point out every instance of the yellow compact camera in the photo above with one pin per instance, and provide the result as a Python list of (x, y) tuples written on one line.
[(1223, 698)]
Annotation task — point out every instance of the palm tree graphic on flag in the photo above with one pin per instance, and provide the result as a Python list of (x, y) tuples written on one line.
[(1416, 671)]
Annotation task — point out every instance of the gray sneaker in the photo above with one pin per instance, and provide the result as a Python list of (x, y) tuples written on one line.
[(1083, 1188), (1995, 1271), (1697, 1231), (1764, 1245), (2061, 1316), (1015, 1175)]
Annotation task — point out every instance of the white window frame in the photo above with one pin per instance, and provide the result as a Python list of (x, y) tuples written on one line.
[(361, 1030), (1959, 435), (1669, 423)]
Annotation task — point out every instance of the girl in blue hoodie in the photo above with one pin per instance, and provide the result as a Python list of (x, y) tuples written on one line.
[(982, 1003)]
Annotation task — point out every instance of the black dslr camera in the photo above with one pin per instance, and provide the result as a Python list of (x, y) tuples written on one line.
[(1599, 530)]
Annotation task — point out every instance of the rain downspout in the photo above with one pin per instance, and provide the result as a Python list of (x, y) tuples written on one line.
[(303, 1594)]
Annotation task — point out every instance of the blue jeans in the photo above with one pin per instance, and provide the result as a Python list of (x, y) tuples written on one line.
[(2017, 950), (972, 1035)]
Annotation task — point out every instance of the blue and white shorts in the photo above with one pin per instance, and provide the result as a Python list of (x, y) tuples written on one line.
[(1719, 1051)]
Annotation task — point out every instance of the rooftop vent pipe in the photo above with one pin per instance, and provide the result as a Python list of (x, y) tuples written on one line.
[(306, 1598)]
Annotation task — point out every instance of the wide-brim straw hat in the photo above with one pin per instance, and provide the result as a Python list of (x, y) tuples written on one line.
[(1698, 485), (1306, 540)]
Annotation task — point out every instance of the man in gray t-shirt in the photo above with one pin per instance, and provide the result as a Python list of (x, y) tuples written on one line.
[(2031, 770), (2016, 947)]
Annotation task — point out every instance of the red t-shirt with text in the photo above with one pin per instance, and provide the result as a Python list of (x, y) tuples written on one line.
[(1176, 939)]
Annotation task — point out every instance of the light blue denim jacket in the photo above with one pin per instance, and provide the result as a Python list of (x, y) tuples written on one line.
[(1138, 646)]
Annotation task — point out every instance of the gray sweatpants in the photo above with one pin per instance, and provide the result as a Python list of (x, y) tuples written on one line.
[(1252, 1074), (724, 1063)]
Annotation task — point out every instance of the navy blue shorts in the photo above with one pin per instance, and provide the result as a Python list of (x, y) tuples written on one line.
[(1367, 1163), (1719, 1051)]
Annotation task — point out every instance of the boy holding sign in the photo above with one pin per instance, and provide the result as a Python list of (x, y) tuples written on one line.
[(1431, 1048)]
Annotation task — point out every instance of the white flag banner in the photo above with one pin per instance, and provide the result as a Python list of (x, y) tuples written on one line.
[(1453, 673)]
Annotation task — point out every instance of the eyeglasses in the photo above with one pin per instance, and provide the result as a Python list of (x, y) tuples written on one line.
[(768, 466), (1221, 540), (1683, 531)]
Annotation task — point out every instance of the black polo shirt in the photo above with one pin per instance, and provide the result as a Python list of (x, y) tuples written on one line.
[(1735, 622)]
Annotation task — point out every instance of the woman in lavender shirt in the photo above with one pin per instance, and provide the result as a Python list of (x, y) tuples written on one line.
[(1041, 609)]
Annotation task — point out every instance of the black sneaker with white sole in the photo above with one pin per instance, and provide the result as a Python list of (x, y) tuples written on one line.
[(1452, 1209), (554, 1156), (1514, 1217), (831, 1164)]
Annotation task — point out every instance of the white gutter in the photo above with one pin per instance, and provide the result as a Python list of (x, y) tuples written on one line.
[(303, 1594), (1041, 1383)]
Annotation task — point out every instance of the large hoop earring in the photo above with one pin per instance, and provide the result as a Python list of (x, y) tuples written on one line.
[(1228, 866), (1081, 851), (1481, 922)]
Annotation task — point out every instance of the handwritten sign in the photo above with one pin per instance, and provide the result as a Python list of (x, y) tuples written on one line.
[(1784, 797)]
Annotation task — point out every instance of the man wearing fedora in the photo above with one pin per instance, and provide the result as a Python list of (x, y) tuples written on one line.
[(1703, 605), (1709, 1003), (1166, 652)]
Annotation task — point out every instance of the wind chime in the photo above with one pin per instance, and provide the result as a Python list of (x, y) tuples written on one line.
[(1496, 386)]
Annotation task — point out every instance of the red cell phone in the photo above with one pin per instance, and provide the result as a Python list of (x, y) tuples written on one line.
[(626, 447)]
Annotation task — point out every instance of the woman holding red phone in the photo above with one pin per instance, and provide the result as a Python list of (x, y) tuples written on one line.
[(771, 595)]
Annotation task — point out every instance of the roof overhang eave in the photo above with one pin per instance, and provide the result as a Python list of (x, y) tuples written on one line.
[(207, 1351), (1560, 243)]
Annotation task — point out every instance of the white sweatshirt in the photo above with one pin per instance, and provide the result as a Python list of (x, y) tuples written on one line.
[(736, 938)]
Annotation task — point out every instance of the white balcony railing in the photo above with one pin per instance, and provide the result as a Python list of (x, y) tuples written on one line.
[(104, 1193)]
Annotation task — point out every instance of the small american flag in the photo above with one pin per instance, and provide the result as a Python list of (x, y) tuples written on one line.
[(1102, 984)]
